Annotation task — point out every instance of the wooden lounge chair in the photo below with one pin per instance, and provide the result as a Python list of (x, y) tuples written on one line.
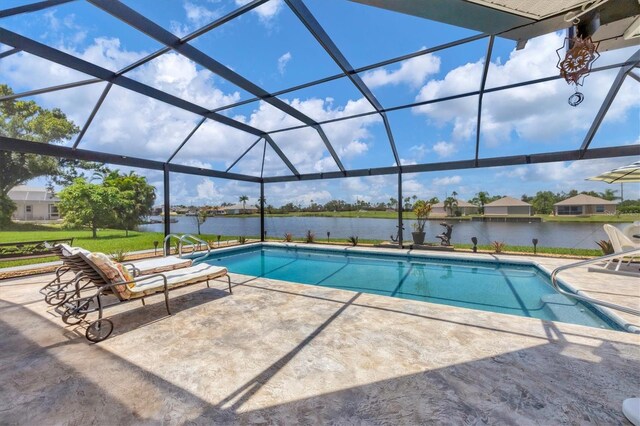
[(114, 285)]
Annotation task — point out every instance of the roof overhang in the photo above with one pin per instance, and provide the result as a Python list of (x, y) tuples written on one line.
[(521, 20)]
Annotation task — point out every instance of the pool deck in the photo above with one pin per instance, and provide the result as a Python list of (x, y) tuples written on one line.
[(276, 352)]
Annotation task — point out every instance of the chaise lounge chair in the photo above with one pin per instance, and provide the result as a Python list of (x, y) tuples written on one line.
[(112, 279), (55, 292), (620, 243)]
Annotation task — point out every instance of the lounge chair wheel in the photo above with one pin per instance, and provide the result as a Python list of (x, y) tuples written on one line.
[(55, 297), (69, 316), (99, 330)]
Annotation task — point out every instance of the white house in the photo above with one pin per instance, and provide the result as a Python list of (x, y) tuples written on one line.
[(239, 209), (583, 204), (34, 203), (507, 206)]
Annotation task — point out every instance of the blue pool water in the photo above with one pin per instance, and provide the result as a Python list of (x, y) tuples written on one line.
[(490, 286)]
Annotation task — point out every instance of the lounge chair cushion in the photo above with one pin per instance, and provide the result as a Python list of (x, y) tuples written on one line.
[(114, 272), (162, 264), (177, 278), (67, 250)]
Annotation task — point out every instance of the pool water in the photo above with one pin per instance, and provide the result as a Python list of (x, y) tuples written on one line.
[(491, 286)]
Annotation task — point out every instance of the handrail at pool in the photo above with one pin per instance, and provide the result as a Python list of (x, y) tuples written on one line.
[(193, 239), (554, 281)]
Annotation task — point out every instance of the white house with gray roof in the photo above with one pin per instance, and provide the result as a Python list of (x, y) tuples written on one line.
[(34, 203)]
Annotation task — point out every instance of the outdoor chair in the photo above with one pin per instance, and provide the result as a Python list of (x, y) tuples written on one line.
[(56, 292), (115, 285), (620, 243)]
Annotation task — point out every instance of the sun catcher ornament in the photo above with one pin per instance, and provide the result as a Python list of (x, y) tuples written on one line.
[(576, 64)]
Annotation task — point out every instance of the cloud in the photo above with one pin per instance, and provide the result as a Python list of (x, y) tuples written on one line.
[(266, 12), (447, 180), (283, 61), (413, 72), (197, 16), (445, 149), (535, 113)]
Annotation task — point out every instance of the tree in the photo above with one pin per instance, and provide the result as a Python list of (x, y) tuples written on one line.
[(88, 204), (609, 194), (29, 121), (543, 202), (433, 200), (136, 196), (201, 217), (450, 204), (480, 200), (393, 203), (243, 200)]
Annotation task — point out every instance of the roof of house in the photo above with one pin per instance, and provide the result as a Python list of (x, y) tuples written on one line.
[(508, 202), (31, 193), (461, 203), (239, 207), (584, 200)]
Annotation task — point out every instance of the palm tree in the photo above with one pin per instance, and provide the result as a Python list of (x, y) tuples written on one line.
[(243, 200), (450, 204)]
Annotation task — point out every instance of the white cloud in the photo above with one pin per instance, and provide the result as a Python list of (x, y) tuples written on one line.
[(207, 190), (536, 113), (266, 12), (447, 180), (445, 149), (283, 61), (413, 72)]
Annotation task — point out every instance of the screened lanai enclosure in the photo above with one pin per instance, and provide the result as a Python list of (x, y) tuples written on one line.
[(471, 85)]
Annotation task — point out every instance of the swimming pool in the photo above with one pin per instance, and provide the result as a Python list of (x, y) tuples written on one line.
[(506, 288)]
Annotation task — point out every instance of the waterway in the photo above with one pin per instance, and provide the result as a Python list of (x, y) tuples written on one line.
[(549, 234)]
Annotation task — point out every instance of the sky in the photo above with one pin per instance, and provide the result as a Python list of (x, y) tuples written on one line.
[(270, 47)]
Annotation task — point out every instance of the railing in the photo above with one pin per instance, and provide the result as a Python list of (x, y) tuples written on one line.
[(619, 256), (194, 240)]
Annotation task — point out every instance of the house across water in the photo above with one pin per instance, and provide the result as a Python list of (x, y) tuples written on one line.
[(34, 203), (583, 204)]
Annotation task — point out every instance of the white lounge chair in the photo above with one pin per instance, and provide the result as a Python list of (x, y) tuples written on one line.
[(112, 279), (620, 243)]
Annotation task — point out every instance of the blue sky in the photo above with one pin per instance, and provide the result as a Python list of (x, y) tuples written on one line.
[(273, 49)]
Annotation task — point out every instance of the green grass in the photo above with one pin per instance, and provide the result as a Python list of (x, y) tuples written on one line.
[(108, 240), (623, 218)]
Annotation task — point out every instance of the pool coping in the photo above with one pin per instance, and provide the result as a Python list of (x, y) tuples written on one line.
[(475, 257)]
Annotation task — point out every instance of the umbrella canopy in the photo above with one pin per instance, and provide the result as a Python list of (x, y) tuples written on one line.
[(630, 173)]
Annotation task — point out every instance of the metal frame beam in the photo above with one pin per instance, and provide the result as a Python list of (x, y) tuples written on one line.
[(28, 147), (483, 82), (97, 106), (361, 69), (284, 158), (50, 89), (308, 20), (515, 160), (153, 30), (452, 97), (244, 153), (9, 52), (54, 55), (195, 129), (634, 76), (608, 100), (31, 7)]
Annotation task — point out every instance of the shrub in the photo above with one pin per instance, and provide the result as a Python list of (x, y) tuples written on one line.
[(242, 239), (288, 237), (119, 255), (353, 240), (498, 246), (310, 237), (605, 246), (628, 209)]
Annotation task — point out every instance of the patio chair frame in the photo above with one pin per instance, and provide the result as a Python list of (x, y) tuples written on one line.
[(76, 307)]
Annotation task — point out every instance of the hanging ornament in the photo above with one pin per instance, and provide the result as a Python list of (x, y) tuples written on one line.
[(576, 63)]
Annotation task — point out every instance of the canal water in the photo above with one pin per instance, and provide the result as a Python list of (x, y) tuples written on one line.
[(549, 234)]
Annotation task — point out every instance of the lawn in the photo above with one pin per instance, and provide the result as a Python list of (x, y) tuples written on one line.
[(108, 240)]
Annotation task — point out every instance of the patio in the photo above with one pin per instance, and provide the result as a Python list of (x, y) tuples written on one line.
[(283, 352)]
